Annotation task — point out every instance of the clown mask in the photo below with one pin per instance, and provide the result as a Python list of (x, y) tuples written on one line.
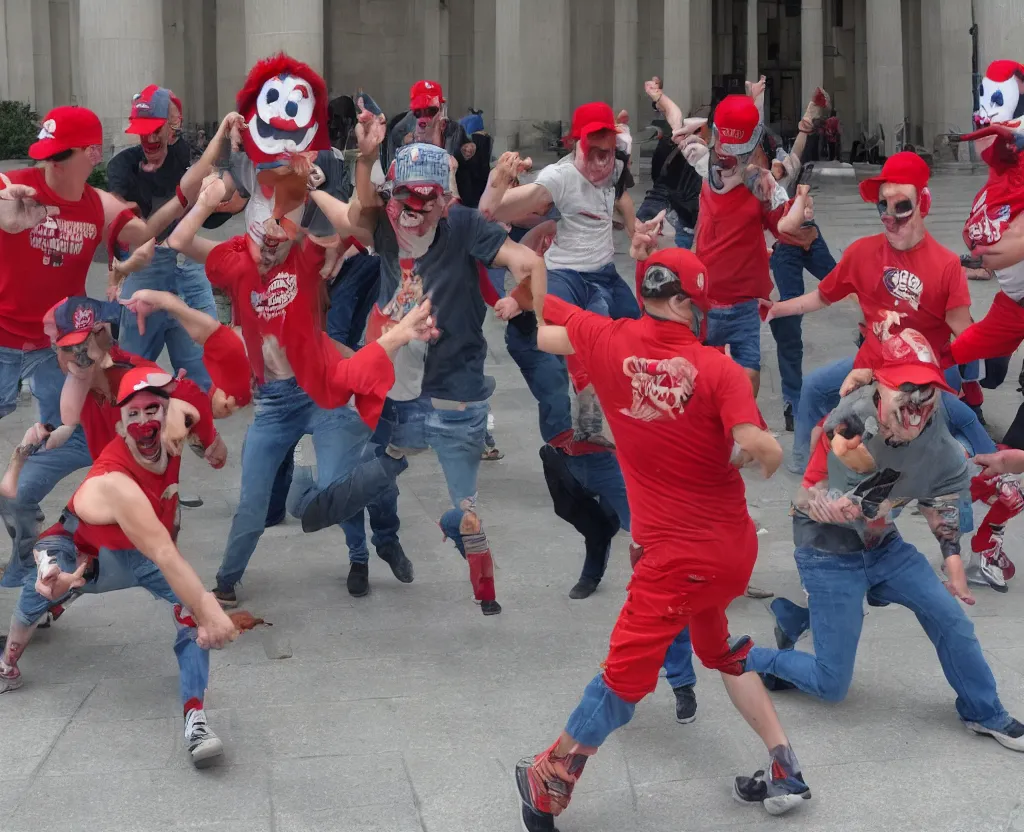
[(430, 123), (904, 412), (726, 172), (143, 418), (999, 95), (285, 105), (414, 213), (83, 361), (594, 157), (270, 241)]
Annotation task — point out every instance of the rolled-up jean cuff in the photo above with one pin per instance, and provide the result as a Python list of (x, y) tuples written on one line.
[(600, 712)]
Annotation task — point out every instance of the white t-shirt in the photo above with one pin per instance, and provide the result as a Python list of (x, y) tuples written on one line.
[(583, 241)]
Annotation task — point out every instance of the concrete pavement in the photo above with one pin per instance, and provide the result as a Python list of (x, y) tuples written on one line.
[(406, 711)]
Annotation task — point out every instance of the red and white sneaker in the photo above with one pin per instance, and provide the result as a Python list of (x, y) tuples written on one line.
[(10, 678)]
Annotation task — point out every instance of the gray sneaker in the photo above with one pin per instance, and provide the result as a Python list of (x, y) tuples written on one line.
[(203, 745), (779, 789)]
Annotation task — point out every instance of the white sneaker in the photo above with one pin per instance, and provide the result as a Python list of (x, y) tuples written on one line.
[(204, 746), (10, 678), (982, 573)]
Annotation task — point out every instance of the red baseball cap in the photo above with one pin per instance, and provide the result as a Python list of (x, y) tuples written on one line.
[(907, 358), (737, 125), (66, 128), (1000, 71), (150, 110), (905, 168), (592, 117), (138, 379), (425, 94), (674, 270)]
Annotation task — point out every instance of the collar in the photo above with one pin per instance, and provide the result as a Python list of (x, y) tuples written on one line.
[(668, 332)]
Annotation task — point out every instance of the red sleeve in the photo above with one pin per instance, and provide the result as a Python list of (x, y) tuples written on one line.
[(735, 397), (190, 392), (957, 292), (226, 361), (585, 330), (486, 287), (641, 267), (225, 262), (817, 468), (770, 219), (842, 280)]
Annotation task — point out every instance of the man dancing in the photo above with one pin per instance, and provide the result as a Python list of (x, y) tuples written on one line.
[(118, 531), (660, 385), (885, 445)]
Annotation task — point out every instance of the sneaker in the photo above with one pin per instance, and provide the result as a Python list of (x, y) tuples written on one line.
[(394, 556), (757, 592), (529, 789), (204, 746), (10, 677), (585, 587), (358, 580), (981, 573), (686, 704), (225, 597), (1011, 737), (787, 414), (489, 607), (995, 556), (189, 500), (778, 789)]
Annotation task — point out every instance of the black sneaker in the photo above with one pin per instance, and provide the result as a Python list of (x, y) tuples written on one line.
[(787, 414), (358, 580), (773, 682), (394, 556), (585, 587), (490, 607), (533, 820), (686, 704), (190, 500), (225, 597), (1012, 736), (778, 789)]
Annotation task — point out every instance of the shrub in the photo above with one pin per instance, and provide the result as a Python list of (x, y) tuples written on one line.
[(19, 126), (98, 177)]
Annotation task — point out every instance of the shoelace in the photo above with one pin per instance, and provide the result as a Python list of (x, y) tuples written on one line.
[(196, 728)]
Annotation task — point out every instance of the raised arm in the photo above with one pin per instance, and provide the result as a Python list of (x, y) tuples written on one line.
[(184, 238), (371, 131), (116, 499), (503, 200), (357, 224), (668, 108)]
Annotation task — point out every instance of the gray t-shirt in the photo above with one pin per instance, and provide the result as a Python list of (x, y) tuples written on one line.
[(933, 465)]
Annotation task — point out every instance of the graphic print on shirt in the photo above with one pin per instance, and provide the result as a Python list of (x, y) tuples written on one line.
[(661, 386), (409, 293), (986, 225), (888, 319), (56, 237), (272, 301), (903, 285)]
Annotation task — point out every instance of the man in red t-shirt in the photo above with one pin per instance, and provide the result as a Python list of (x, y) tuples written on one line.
[(684, 417), (119, 531), (902, 278)]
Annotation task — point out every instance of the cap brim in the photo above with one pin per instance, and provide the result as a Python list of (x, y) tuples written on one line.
[(741, 149), (870, 188), (597, 126), (45, 148), (145, 126), (893, 377), (72, 338)]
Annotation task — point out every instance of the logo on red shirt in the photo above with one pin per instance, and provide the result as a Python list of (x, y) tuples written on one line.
[(661, 387), (985, 225), (272, 301), (56, 237), (903, 285)]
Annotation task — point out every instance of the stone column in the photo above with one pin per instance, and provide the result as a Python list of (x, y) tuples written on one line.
[(913, 87), (752, 65), (42, 60), (860, 66), (20, 65), (812, 49), (885, 69), (61, 36), (122, 42), (296, 27), (1000, 30), (508, 58), (677, 77), (461, 54), (430, 11), (625, 75), (946, 70), (484, 54), (545, 72), (701, 46), (5, 77), (231, 61), (176, 55), (76, 48)]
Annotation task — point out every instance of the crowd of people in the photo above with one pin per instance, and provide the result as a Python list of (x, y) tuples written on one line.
[(359, 293)]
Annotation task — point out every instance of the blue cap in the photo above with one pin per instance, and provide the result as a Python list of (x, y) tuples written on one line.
[(473, 123), (75, 318), (421, 164)]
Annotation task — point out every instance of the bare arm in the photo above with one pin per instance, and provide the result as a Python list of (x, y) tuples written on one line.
[(811, 302), (761, 445), (198, 325), (503, 201), (525, 264), (184, 238), (554, 339), (668, 108), (627, 208), (346, 222), (959, 319), (943, 516), (116, 499)]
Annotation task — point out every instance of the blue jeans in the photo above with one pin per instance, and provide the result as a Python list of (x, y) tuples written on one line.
[(42, 472), (353, 294), (383, 511), (739, 328), (788, 264), (600, 476), (169, 272), (40, 369), (547, 378), (122, 569), (679, 661), (284, 413), (897, 573), (602, 291)]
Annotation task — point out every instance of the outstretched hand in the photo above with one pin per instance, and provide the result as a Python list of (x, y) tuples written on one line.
[(645, 237), (19, 210), (371, 130), (144, 302), (956, 580)]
